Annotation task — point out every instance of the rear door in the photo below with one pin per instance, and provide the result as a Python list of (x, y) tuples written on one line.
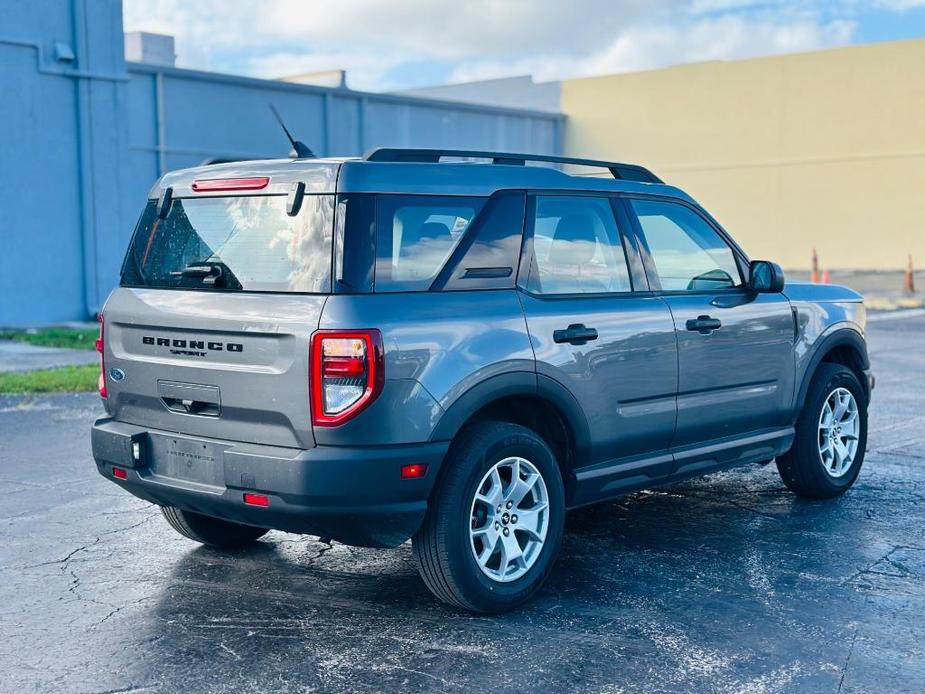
[(735, 347), (597, 331), (209, 333)]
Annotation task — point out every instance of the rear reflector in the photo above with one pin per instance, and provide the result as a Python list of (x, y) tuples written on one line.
[(256, 500), (100, 347), (119, 473), (219, 184), (413, 471)]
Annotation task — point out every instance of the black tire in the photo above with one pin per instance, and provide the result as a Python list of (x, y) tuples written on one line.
[(442, 546), (801, 468), (213, 532)]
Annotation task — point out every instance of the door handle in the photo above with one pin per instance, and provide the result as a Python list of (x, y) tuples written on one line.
[(704, 324), (576, 334)]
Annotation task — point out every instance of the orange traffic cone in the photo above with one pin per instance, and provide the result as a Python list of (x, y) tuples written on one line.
[(909, 279), (825, 276), (814, 277)]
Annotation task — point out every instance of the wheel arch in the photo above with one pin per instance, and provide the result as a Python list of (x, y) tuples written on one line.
[(844, 346), (535, 401)]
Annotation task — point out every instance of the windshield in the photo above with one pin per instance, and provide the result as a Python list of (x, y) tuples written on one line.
[(234, 243)]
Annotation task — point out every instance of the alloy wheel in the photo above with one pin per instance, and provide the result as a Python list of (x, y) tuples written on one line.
[(839, 428), (509, 519)]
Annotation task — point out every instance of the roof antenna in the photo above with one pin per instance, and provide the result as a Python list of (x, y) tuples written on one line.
[(299, 149)]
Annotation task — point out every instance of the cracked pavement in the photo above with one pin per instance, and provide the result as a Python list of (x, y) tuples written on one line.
[(725, 583)]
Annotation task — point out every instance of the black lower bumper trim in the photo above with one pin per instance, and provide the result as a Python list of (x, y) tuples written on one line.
[(353, 495)]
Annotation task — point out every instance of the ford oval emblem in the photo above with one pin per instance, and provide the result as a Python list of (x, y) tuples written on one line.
[(116, 374)]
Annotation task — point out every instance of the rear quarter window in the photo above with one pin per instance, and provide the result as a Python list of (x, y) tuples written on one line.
[(416, 236)]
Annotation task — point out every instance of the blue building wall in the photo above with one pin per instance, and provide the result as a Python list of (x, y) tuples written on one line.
[(83, 135)]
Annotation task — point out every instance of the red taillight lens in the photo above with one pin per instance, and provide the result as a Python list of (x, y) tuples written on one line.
[(213, 185), (120, 473), (343, 367), (347, 374), (100, 345)]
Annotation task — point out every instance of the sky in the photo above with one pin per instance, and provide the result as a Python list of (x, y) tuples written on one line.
[(388, 45)]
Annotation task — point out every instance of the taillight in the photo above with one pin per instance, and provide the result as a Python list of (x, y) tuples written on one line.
[(347, 374), (100, 344)]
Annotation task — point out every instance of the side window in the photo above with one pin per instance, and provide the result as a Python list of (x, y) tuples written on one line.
[(688, 253), (487, 257), (577, 247), (415, 237)]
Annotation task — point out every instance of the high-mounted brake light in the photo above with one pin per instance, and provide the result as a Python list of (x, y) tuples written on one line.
[(347, 373), (100, 345), (213, 185)]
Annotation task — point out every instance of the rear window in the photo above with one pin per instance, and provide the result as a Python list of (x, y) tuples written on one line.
[(234, 243)]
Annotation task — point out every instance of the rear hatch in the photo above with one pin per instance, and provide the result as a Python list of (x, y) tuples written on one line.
[(209, 331)]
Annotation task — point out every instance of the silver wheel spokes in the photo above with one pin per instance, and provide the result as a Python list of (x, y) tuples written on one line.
[(839, 427), (509, 519)]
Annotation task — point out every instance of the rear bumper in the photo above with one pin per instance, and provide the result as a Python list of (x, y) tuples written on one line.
[(351, 494)]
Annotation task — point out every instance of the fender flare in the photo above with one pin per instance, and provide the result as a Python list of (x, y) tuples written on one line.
[(526, 383), (840, 337)]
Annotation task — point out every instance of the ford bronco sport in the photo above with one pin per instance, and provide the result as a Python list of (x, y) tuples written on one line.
[(456, 352)]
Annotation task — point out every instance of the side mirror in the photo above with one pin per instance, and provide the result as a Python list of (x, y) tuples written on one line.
[(765, 277)]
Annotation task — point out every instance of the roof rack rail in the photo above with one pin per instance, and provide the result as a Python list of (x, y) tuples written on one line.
[(629, 172)]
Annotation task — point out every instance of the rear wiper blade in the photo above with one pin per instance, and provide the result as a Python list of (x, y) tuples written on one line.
[(196, 271), (210, 274)]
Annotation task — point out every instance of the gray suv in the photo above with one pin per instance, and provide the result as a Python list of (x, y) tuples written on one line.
[(457, 347)]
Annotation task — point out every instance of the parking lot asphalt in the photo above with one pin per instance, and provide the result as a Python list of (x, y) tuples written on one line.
[(725, 583), (21, 356)]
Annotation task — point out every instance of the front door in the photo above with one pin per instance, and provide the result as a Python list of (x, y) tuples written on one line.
[(735, 347), (596, 330)]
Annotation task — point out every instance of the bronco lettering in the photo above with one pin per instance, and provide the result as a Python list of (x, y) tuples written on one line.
[(195, 347)]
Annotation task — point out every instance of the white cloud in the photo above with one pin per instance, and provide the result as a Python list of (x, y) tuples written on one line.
[(370, 37), (363, 69), (646, 47), (434, 28), (899, 5), (450, 29), (476, 39), (704, 6)]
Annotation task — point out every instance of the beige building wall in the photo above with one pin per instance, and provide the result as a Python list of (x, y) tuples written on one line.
[(823, 149)]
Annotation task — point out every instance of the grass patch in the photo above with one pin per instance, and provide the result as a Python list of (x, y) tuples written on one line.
[(66, 379), (71, 338)]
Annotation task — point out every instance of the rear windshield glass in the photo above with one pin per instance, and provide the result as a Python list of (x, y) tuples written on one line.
[(234, 243)]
